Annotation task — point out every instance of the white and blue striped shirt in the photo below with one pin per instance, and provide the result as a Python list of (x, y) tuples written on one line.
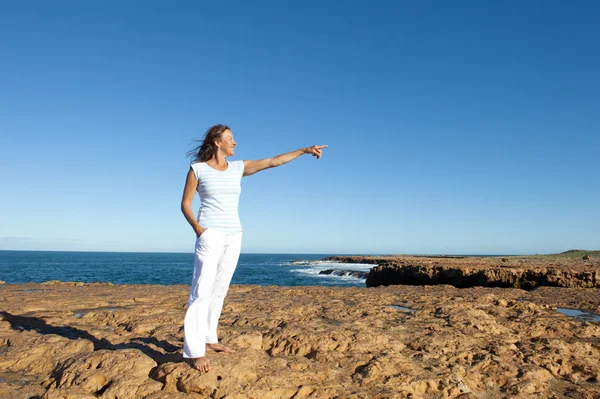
[(219, 196)]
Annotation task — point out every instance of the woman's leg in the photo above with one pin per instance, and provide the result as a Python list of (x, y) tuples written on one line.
[(225, 270), (209, 248)]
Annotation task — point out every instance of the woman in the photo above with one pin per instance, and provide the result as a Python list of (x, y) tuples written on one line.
[(219, 233)]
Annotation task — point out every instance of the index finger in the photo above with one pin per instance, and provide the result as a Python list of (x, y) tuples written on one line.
[(321, 146)]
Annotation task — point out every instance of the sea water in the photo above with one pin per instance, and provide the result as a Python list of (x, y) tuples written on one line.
[(170, 268)]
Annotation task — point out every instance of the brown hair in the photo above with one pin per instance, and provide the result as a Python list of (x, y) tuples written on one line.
[(206, 150)]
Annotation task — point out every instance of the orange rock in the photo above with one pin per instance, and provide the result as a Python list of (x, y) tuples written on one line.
[(105, 341)]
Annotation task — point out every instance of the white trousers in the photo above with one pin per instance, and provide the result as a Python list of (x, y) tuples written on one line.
[(216, 257)]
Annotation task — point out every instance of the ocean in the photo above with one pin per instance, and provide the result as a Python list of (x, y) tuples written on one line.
[(173, 268)]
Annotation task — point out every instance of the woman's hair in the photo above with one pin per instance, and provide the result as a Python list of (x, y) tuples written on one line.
[(206, 150)]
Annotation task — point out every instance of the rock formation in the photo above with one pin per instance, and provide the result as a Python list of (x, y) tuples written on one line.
[(514, 272), (345, 273), (80, 341)]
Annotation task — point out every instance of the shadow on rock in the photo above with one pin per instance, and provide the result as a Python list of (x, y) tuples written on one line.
[(26, 323)]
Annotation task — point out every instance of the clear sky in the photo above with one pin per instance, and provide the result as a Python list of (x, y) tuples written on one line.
[(455, 127)]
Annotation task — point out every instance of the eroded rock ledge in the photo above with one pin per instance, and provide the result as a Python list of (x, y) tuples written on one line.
[(508, 272)]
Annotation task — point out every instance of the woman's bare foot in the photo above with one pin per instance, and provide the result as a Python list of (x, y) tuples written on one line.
[(219, 348), (200, 364)]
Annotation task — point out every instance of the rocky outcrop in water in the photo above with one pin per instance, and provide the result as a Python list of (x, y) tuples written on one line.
[(84, 341), (514, 272), (345, 273)]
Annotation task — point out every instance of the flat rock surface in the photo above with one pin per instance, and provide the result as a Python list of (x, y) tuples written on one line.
[(525, 272), (75, 340)]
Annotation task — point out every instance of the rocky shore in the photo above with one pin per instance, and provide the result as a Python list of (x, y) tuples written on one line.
[(509, 272), (79, 341)]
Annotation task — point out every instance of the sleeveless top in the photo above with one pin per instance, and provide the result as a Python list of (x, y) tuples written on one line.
[(219, 196)]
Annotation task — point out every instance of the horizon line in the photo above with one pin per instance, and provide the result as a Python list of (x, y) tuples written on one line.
[(297, 253)]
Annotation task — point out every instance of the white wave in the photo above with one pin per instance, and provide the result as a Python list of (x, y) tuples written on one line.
[(315, 273), (313, 268), (308, 271), (327, 264), (311, 262), (316, 267)]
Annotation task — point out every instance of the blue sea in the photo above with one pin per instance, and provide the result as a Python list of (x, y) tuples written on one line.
[(171, 268)]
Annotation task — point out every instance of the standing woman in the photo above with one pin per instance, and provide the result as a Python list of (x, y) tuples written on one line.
[(219, 233)]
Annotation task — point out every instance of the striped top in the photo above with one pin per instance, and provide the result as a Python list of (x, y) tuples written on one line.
[(219, 196)]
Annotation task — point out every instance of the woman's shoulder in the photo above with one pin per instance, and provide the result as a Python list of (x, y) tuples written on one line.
[(196, 166), (238, 165)]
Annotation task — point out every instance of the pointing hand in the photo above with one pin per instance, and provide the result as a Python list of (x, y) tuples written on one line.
[(315, 150)]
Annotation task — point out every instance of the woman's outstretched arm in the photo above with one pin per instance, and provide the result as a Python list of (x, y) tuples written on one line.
[(186, 202), (251, 167)]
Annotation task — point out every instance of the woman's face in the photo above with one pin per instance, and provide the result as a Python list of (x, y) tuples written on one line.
[(227, 143)]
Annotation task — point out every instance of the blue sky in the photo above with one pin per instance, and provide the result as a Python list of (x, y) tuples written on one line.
[(458, 127)]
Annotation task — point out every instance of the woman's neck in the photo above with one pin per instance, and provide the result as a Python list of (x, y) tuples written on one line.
[(218, 162)]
